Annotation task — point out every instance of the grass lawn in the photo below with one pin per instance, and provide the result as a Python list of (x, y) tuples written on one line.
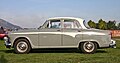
[(108, 55)]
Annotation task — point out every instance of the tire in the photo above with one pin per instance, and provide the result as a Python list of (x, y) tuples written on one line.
[(22, 46), (88, 47)]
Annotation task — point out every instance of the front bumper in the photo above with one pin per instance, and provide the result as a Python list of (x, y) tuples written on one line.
[(113, 44), (7, 42)]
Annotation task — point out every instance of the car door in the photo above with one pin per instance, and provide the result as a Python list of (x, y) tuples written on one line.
[(50, 34), (71, 32)]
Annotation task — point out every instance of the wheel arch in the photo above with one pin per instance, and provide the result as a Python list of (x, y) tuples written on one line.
[(22, 38), (98, 46)]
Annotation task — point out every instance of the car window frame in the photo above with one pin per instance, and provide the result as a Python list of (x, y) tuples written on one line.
[(78, 24), (47, 24)]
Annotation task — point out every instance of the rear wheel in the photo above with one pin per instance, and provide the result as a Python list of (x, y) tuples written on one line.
[(88, 47), (22, 46)]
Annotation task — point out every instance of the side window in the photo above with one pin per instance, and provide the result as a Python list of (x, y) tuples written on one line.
[(55, 24), (52, 24), (71, 24), (45, 25)]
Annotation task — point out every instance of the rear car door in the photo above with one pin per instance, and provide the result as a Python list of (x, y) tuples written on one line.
[(71, 32)]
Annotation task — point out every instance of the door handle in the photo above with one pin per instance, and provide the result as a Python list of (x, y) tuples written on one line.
[(58, 30), (79, 31)]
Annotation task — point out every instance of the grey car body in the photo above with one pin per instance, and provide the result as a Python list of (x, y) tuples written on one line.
[(60, 32)]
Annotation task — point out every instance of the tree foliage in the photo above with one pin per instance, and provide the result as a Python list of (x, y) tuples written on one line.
[(118, 26), (92, 24), (102, 24), (110, 25)]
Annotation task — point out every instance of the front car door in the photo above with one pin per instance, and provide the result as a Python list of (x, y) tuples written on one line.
[(50, 34)]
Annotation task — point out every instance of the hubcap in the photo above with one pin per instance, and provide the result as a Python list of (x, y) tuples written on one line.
[(22, 46), (88, 46)]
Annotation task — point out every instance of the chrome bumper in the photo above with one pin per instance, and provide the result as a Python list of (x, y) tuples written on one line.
[(113, 44), (7, 42)]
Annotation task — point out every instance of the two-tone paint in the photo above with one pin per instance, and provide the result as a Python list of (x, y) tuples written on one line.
[(62, 37)]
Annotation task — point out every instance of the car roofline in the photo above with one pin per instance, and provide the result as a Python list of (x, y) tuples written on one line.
[(64, 18)]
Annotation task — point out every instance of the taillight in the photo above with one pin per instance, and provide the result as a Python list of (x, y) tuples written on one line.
[(110, 33)]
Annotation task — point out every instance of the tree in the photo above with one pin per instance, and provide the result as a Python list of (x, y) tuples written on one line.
[(111, 25), (102, 24), (118, 26), (92, 24), (97, 27)]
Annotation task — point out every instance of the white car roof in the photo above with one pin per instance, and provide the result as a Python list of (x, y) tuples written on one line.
[(65, 18), (78, 19)]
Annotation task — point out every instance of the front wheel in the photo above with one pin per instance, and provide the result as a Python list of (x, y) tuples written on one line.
[(22, 46), (88, 47)]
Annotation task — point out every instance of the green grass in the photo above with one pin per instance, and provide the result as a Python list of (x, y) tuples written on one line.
[(108, 55)]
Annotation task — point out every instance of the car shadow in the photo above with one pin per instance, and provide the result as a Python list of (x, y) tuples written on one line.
[(56, 50), (7, 51), (53, 50), (101, 51)]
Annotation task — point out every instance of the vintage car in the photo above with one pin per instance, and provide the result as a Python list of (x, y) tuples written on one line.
[(60, 32)]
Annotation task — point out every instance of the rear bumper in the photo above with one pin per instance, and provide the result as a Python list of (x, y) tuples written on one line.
[(113, 44), (7, 42)]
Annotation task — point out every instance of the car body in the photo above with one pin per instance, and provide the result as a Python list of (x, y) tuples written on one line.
[(60, 32)]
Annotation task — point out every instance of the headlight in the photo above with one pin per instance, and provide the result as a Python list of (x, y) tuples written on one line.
[(5, 38)]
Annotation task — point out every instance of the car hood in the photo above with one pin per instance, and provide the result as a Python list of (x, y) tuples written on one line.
[(24, 31)]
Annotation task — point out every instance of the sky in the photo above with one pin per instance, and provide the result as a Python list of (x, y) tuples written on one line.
[(33, 13)]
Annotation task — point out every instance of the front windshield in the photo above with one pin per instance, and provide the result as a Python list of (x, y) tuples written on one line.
[(86, 25)]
